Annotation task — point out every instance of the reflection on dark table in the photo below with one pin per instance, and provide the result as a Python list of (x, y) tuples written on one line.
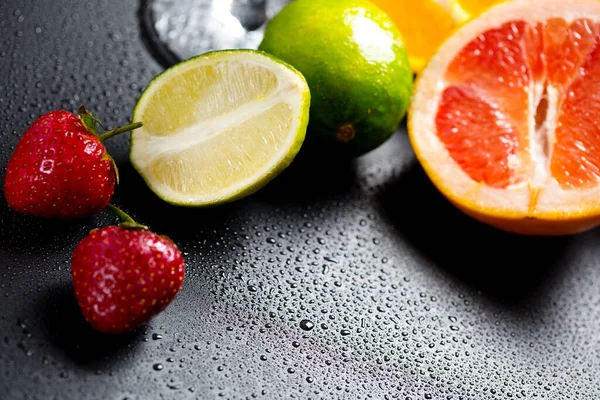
[(180, 29)]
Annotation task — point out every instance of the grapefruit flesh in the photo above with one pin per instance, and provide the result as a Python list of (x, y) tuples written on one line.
[(484, 113), (514, 109)]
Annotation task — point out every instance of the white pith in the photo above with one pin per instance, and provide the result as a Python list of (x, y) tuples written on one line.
[(291, 89), (202, 130), (520, 200)]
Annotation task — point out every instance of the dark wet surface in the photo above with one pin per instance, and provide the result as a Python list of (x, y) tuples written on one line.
[(340, 280)]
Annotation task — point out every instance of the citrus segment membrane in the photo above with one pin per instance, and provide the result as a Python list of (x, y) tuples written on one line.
[(520, 105)]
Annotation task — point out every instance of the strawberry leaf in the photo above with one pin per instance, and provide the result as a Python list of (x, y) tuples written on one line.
[(89, 121)]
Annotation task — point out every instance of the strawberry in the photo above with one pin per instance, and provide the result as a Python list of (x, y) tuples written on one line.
[(124, 275), (60, 168)]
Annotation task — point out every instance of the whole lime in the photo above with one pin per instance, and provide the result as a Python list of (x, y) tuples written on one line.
[(354, 60)]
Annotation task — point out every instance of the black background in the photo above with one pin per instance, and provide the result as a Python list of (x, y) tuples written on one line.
[(410, 299)]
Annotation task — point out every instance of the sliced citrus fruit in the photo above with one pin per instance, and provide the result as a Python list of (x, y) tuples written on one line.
[(219, 126), (504, 117)]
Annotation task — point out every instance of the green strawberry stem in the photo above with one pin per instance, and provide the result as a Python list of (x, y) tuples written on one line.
[(128, 222), (118, 131), (91, 124)]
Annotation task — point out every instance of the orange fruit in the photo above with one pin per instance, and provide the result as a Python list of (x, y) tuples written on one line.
[(473, 8), (425, 24), (504, 119)]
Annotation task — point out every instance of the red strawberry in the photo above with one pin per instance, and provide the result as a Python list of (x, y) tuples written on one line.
[(60, 168), (124, 275)]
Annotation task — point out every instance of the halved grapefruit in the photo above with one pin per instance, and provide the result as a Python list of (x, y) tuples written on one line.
[(505, 119)]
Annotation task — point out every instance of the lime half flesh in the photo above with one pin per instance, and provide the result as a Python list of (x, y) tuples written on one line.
[(219, 126)]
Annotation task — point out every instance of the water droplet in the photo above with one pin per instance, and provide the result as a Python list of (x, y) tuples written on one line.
[(306, 325), (296, 344), (291, 370), (47, 166), (156, 336), (157, 367), (344, 332)]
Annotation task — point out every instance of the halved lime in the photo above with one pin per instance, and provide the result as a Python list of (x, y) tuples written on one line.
[(219, 126)]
